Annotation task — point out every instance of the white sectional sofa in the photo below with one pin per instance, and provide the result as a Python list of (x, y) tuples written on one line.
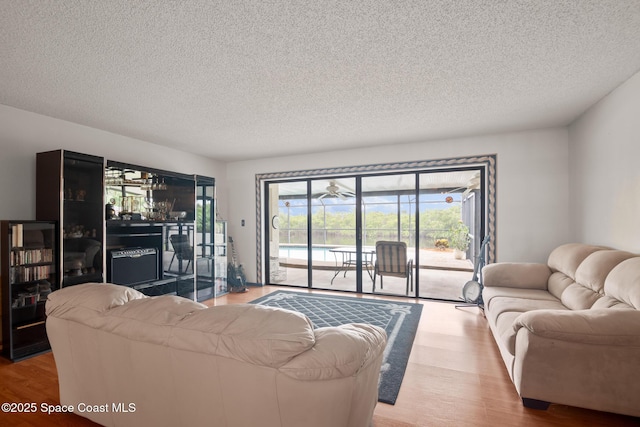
[(569, 330), (125, 359)]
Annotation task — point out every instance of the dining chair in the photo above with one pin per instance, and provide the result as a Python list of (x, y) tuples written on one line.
[(392, 260), (182, 250)]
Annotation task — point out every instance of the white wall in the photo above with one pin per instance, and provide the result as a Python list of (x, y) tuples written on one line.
[(604, 156), (532, 187), (23, 134), (532, 176)]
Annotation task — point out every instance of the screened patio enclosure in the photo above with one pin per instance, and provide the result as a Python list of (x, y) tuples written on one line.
[(323, 232)]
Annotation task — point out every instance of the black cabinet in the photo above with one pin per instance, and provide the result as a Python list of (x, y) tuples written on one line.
[(69, 189), (28, 271), (155, 211), (133, 246), (146, 228)]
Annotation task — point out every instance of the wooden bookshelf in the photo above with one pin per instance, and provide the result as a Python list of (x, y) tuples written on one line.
[(28, 273)]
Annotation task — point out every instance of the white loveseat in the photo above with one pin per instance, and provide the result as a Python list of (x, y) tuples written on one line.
[(125, 359), (569, 330)]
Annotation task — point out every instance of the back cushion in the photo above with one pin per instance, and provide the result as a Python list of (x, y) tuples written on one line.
[(623, 283), (567, 258), (594, 270), (149, 319), (558, 283), (581, 271), (256, 334)]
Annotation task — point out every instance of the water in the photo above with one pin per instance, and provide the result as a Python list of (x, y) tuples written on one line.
[(300, 252)]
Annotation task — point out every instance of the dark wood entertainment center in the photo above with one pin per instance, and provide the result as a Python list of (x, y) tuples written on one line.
[(101, 221), (121, 223)]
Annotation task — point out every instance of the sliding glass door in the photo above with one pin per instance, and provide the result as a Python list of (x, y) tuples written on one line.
[(333, 234), (323, 232), (288, 250), (448, 231), (389, 215)]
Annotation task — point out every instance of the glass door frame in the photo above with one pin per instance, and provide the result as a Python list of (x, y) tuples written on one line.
[(487, 164), (309, 196), (413, 190)]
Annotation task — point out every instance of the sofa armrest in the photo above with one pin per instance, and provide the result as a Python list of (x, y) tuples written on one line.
[(516, 275), (585, 358), (611, 327), (338, 352)]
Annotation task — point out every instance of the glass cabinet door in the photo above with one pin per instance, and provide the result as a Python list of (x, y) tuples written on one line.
[(69, 189), (204, 238), (220, 253), (82, 219)]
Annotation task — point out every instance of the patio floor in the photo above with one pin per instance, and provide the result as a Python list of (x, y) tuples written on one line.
[(441, 276)]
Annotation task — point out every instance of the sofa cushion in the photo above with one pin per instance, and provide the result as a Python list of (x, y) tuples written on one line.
[(148, 320), (489, 293), (357, 339), (567, 258), (558, 283), (593, 271), (609, 302), (252, 333), (578, 297), (586, 286), (504, 311), (81, 302), (623, 283)]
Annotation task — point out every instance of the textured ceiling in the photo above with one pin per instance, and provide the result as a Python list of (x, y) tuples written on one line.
[(248, 79)]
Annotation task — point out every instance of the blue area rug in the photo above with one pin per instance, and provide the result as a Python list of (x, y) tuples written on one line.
[(399, 319)]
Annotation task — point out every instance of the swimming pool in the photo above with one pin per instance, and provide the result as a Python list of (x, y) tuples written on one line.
[(318, 253)]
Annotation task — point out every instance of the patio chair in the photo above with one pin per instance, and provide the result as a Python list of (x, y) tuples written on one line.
[(392, 260), (182, 250)]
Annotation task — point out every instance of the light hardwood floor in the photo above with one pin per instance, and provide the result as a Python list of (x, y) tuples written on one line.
[(455, 377)]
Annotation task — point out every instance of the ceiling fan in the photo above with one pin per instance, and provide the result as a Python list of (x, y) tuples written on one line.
[(337, 190), (472, 184)]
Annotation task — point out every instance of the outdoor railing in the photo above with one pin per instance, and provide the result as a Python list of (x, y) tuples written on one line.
[(337, 237)]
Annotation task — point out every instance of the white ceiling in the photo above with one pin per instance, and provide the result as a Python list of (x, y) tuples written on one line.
[(247, 79)]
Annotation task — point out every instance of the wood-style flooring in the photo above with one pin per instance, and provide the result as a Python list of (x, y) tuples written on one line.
[(455, 377)]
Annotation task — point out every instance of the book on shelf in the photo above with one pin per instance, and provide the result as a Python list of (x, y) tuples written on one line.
[(31, 256), (17, 235), (30, 274)]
